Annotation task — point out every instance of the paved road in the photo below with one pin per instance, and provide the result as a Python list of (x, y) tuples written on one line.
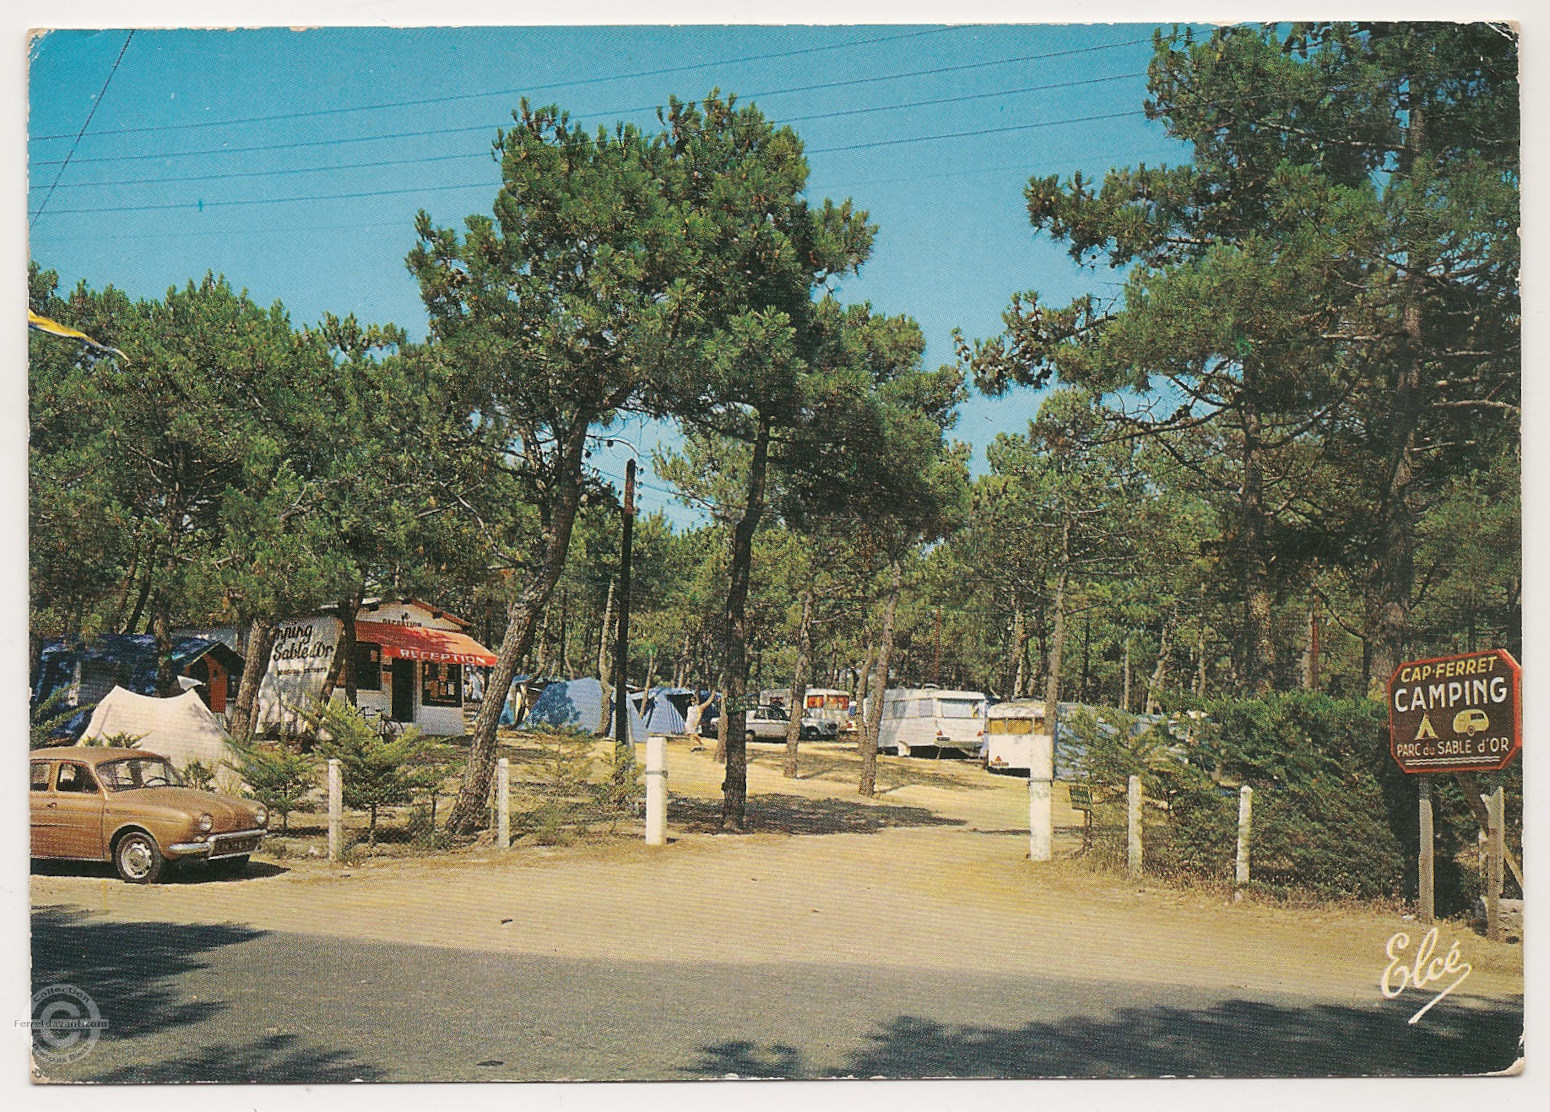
[(235, 1003)]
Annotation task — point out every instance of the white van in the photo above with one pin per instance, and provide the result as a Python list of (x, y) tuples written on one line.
[(1017, 738), (931, 716)]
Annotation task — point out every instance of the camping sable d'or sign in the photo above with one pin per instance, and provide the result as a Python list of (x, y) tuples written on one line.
[(1456, 713)]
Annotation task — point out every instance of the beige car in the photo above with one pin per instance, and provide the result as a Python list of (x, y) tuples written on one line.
[(134, 809)]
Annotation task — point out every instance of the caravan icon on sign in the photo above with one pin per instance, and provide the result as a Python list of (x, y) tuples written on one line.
[(1456, 714)]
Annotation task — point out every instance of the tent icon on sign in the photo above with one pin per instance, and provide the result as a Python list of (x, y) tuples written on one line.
[(1470, 722)]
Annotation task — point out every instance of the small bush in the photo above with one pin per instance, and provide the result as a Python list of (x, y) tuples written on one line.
[(200, 776), (279, 778), (375, 771)]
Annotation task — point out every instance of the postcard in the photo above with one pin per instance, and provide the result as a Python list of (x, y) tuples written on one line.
[(645, 552)]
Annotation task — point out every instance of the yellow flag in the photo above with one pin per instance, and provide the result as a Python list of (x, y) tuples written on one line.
[(54, 328)]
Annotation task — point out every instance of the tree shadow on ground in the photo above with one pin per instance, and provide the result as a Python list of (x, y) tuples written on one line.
[(126, 967), (892, 774), (1234, 1038), (273, 1058), (793, 814), (130, 971)]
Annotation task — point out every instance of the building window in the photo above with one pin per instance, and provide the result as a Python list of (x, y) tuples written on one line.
[(441, 685), (368, 666)]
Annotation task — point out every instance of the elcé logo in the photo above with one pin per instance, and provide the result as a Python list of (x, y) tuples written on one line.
[(1422, 969)]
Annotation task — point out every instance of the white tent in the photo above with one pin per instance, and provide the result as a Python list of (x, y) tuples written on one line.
[(182, 729)]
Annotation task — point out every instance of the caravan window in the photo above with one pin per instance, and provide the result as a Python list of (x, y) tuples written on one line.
[(1010, 726), (958, 708)]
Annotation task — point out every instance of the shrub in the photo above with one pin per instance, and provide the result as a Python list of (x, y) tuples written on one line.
[(199, 775), (279, 778), (1333, 815), (375, 771)]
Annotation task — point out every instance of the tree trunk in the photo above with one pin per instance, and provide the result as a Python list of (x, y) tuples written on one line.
[(1160, 673), (1057, 640), (696, 712), (1310, 653), (1393, 579), (604, 672), (255, 664), (145, 593), (799, 684), (734, 799), (720, 755), (1258, 647), (1019, 669), (166, 675), (1124, 703), (874, 722), (522, 615), (342, 670)]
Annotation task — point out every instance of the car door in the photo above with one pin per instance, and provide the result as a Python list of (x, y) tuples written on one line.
[(44, 817), (76, 806)]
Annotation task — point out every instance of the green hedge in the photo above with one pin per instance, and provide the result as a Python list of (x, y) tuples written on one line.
[(1334, 818)]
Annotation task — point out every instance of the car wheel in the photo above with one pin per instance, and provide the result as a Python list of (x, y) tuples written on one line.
[(230, 866), (751, 736), (137, 859)]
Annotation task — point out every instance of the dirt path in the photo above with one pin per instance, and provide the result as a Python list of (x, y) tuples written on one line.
[(931, 875)]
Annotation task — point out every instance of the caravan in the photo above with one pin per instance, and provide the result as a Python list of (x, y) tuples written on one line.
[(931, 716), (1017, 738)]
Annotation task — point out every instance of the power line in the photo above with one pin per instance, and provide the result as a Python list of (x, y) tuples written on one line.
[(84, 126), (472, 185), (299, 144), (969, 134), (290, 171), (450, 98), (202, 205)]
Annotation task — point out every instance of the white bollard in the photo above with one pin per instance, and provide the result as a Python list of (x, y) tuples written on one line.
[(503, 803), (1134, 800), (1041, 821), (1245, 815), (335, 810), (656, 790)]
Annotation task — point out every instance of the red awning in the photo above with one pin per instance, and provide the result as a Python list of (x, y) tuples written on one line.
[(441, 646)]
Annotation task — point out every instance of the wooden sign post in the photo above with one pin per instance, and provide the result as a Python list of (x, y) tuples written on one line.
[(1459, 714)]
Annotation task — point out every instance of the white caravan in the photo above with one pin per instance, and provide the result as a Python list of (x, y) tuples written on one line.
[(931, 716), (1017, 738)]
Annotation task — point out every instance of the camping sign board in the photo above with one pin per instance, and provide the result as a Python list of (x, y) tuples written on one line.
[(1456, 713)]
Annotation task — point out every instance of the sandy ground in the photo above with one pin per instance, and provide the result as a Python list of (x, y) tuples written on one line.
[(932, 875)]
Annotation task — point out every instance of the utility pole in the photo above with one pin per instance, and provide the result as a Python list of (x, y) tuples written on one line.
[(622, 738)]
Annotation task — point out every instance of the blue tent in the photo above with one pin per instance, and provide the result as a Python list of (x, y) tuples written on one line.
[(578, 705), (661, 713)]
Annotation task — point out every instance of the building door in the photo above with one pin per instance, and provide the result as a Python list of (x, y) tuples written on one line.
[(403, 690)]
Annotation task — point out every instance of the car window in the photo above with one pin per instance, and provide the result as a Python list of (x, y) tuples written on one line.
[(40, 776), (139, 772), (74, 778)]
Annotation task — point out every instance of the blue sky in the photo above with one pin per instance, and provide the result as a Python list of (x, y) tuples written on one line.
[(293, 161)]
